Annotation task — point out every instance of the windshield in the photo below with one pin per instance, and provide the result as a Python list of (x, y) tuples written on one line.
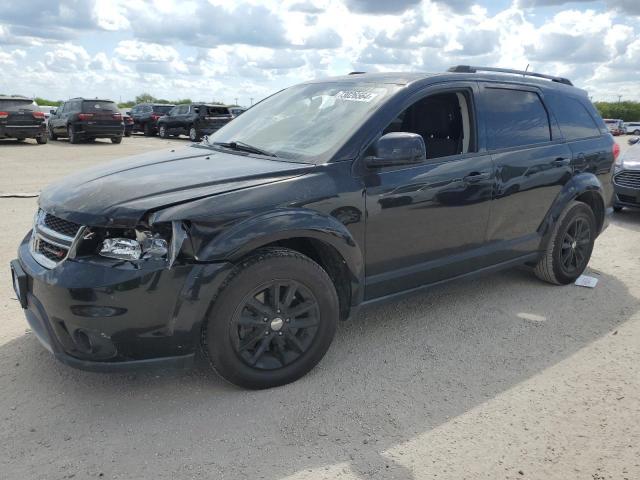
[(306, 122), (18, 104), (95, 106)]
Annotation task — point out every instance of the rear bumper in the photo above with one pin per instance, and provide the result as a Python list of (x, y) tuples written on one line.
[(105, 318), (22, 131), (89, 129)]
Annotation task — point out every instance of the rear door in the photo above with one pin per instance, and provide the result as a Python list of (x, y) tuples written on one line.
[(532, 163)]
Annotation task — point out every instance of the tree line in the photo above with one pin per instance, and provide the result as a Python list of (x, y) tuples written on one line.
[(142, 98), (627, 111)]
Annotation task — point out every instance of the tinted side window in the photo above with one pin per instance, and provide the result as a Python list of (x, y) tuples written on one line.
[(515, 118), (575, 121)]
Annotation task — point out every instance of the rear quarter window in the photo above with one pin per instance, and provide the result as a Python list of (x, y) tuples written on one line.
[(575, 120), (514, 118)]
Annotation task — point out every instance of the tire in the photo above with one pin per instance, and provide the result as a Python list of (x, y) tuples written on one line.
[(41, 140), (127, 133), (636, 132), (617, 208), (20, 139), (50, 134), (163, 132), (258, 346), (572, 239), (194, 134), (73, 137), (116, 139), (148, 130)]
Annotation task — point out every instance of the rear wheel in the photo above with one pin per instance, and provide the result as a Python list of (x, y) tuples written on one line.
[(570, 247), (116, 139), (163, 132), (636, 132), (148, 130), (194, 134), (73, 136), (41, 139), (20, 139), (127, 133), (272, 321)]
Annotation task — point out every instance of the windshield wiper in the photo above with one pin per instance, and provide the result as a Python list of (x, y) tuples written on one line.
[(245, 147)]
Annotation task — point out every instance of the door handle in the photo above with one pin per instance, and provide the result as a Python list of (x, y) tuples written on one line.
[(476, 177), (559, 162)]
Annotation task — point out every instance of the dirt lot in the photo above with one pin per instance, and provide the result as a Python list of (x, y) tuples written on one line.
[(502, 377)]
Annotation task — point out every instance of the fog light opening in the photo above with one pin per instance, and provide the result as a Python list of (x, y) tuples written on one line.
[(83, 342)]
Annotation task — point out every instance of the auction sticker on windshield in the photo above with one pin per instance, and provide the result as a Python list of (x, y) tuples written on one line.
[(356, 95)]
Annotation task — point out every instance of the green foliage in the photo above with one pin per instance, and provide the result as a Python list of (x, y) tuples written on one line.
[(627, 111), (44, 101)]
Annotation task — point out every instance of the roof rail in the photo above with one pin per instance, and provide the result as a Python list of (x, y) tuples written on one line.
[(470, 69), (356, 73)]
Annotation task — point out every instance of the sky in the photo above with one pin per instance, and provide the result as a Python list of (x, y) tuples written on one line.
[(241, 51)]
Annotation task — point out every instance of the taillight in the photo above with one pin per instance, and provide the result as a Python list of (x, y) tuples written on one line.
[(616, 151), (85, 116), (38, 115), (117, 116), (4, 114), (155, 116)]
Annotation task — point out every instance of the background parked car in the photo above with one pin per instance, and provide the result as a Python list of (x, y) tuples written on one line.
[(128, 122), (86, 119), (46, 109), (145, 117), (235, 111), (615, 126), (626, 179), (632, 128), (195, 120), (20, 119)]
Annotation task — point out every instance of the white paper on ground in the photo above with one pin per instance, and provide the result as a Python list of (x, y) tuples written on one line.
[(586, 281)]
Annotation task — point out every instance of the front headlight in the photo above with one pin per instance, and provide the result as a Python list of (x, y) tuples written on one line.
[(145, 245)]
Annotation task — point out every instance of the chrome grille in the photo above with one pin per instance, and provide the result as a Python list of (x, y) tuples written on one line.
[(628, 178), (53, 239)]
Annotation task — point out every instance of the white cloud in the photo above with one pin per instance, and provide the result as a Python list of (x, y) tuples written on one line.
[(210, 49)]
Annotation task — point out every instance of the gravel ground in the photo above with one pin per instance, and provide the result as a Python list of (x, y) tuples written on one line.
[(499, 377)]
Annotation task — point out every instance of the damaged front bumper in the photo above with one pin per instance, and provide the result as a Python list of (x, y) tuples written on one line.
[(109, 317)]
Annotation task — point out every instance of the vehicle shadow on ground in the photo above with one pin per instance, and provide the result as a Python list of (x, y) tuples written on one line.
[(394, 372)]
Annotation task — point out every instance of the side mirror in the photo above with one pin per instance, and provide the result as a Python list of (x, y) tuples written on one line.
[(53, 111), (128, 113), (397, 148)]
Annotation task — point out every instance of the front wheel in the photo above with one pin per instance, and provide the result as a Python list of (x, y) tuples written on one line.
[(163, 132), (116, 139), (570, 247), (148, 130), (50, 134), (272, 321), (617, 208), (41, 139)]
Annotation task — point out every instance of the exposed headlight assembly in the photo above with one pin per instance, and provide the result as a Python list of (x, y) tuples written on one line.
[(145, 245)]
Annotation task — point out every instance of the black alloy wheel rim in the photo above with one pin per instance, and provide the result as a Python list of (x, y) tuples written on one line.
[(575, 245), (275, 324)]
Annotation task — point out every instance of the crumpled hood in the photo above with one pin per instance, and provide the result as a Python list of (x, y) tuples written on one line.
[(120, 193)]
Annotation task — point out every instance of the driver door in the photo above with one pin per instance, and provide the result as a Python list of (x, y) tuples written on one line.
[(428, 222)]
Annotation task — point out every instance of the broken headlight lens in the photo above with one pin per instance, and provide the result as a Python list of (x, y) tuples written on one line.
[(145, 245)]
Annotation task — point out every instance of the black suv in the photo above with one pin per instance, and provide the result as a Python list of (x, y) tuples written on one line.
[(324, 197), (20, 119), (81, 119), (146, 115), (195, 120)]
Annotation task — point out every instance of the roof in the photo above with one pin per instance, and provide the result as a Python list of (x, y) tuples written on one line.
[(407, 78), (15, 97), (91, 99)]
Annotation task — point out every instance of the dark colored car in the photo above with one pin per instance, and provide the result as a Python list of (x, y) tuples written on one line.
[(81, 119), (20, 119), (128, 123), (146, 115), (324, 197), (626, 179), (194, 120)]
